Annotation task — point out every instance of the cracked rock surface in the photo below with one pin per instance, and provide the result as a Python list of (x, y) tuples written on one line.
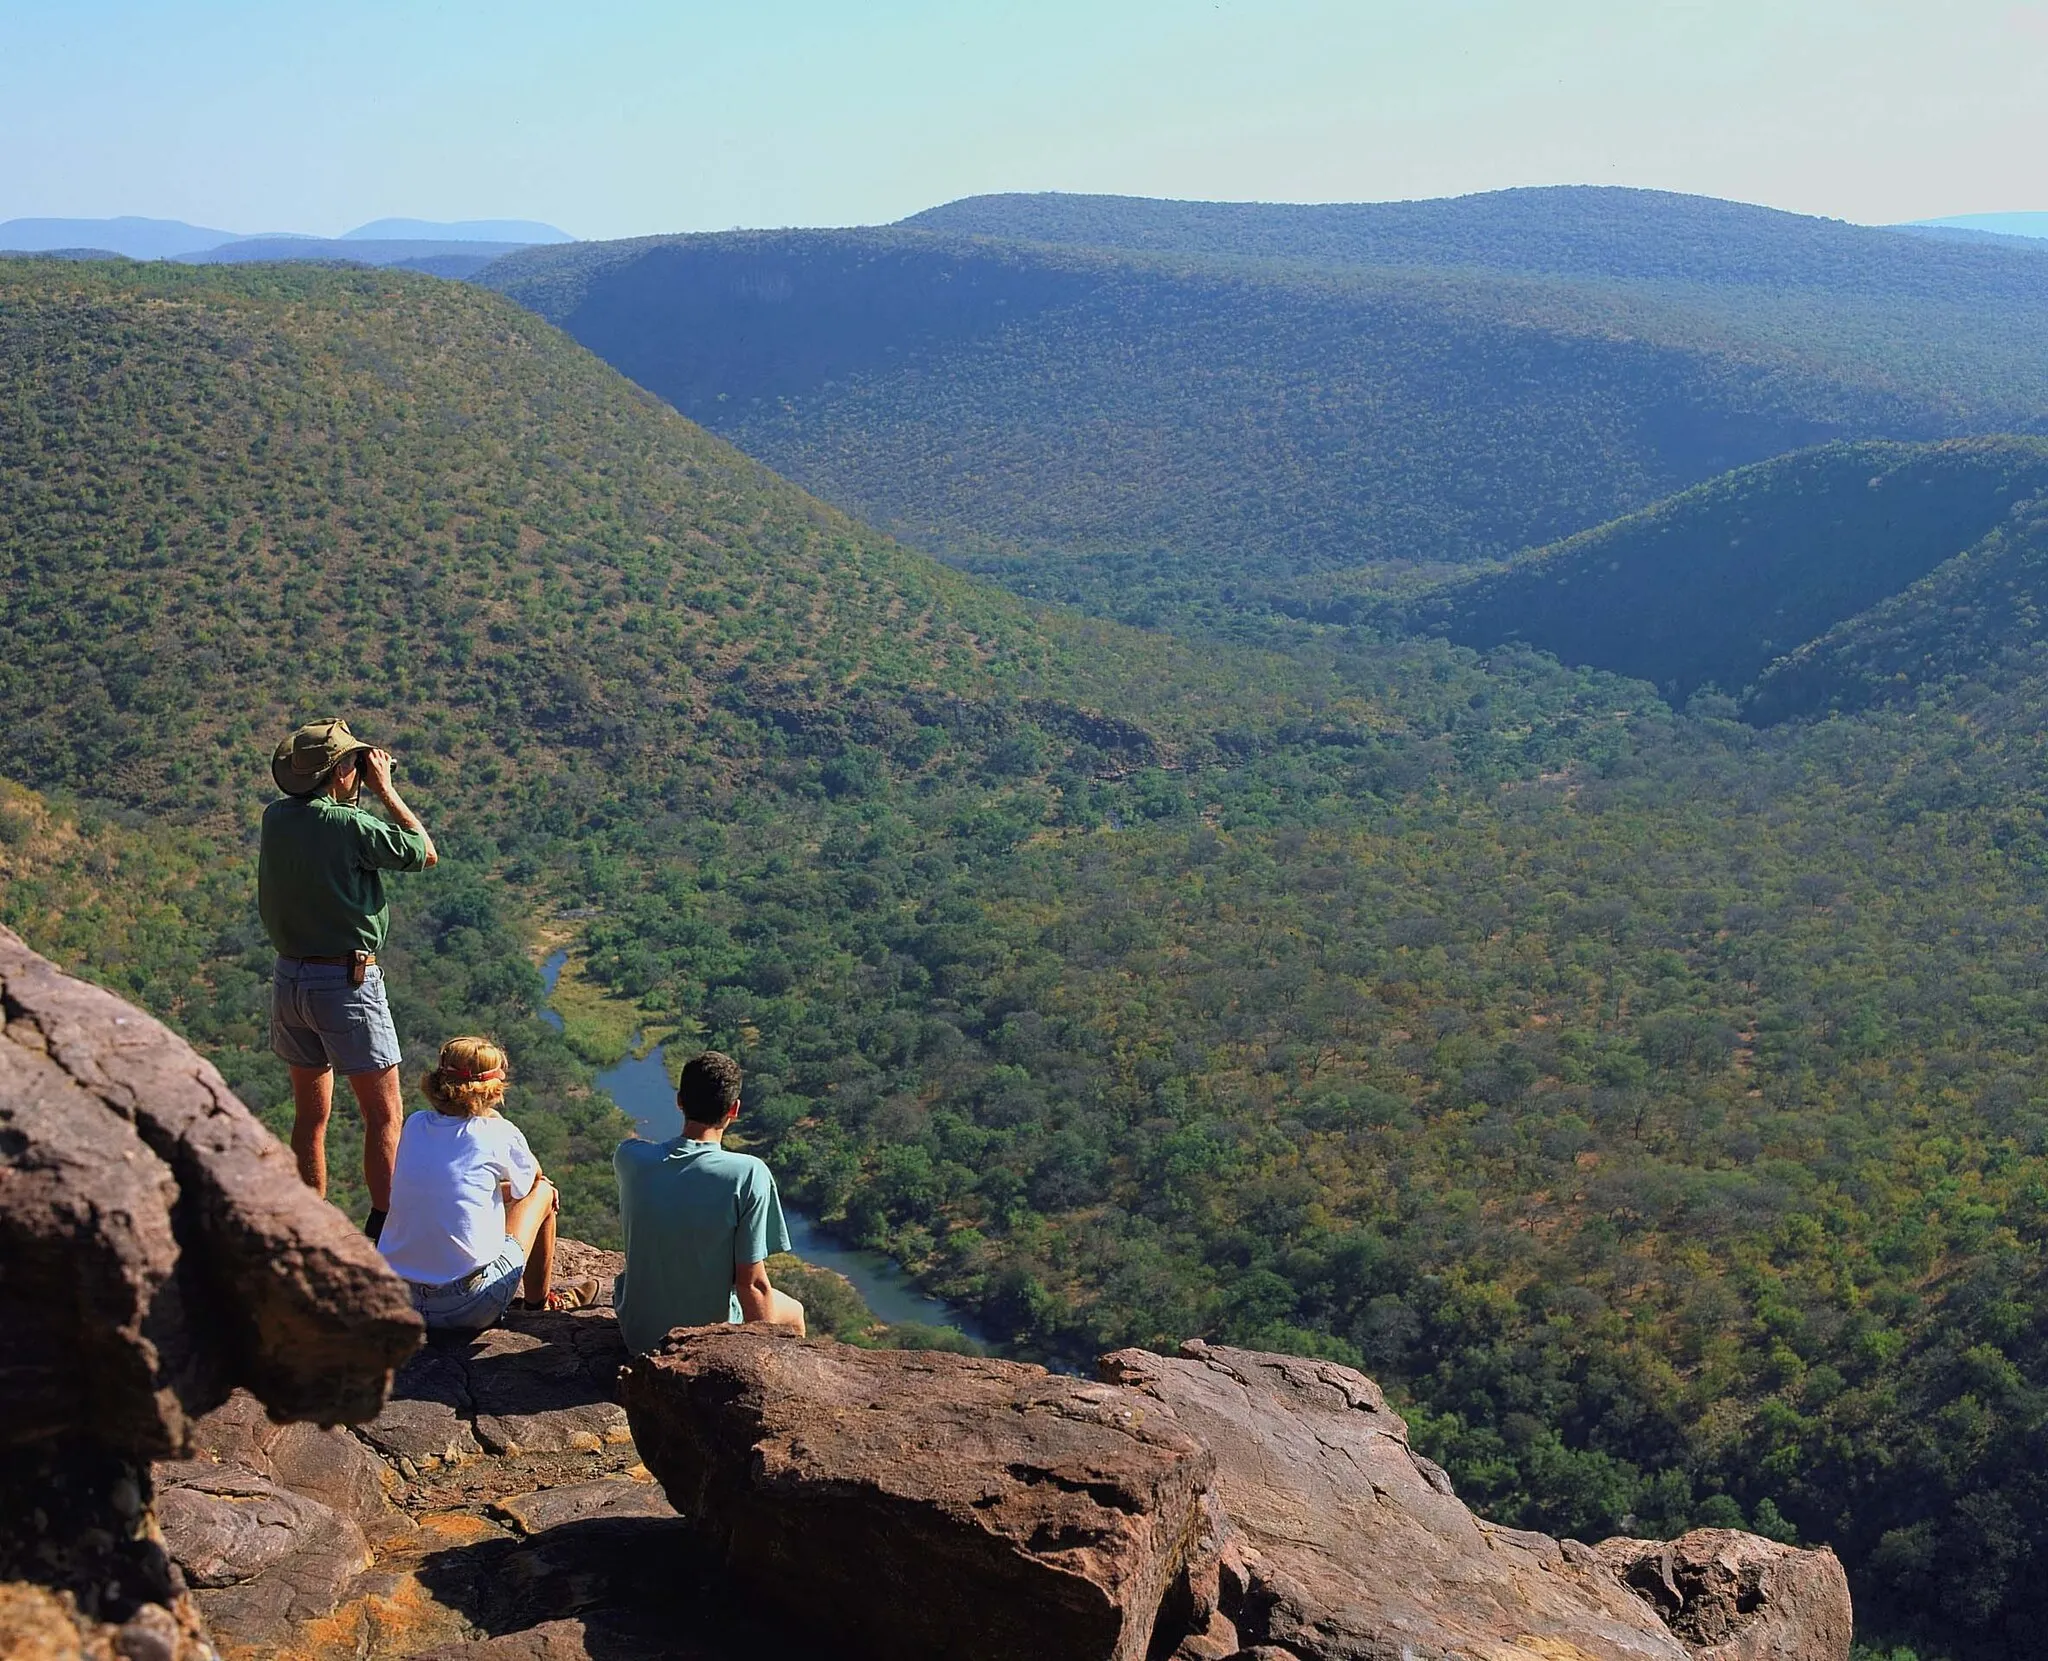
[(1346, 1545), (495, 1510), (1737, 1597)]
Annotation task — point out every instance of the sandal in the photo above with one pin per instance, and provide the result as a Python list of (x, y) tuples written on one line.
[(574, 1294)]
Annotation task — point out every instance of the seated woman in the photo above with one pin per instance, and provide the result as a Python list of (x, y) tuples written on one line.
[(471, 1216)]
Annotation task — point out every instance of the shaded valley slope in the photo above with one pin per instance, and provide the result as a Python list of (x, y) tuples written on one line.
[(1711, 588)]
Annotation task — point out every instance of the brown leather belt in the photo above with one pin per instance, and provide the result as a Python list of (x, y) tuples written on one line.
[(358, 965)]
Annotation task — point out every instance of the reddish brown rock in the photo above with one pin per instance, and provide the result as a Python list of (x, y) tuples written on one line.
[(581, 1502), (208, 1263), (1347, 1546), (156, 1250), (1737, 1597), (322, 1464), (916, 1504), (588, 1640)]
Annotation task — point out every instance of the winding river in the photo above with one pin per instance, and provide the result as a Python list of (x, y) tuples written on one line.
[(640, 1086)]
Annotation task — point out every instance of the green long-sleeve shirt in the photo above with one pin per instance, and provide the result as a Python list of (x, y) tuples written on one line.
[(319, 875)]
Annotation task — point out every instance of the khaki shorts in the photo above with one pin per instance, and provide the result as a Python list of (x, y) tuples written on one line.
[(318, 1020)]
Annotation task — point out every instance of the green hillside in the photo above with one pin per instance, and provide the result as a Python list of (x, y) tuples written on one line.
[(1712, 586), (1649, 1100), (1975, 619), (1163, 433)]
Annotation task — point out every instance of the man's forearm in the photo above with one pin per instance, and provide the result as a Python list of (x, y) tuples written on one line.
[(395, 805)]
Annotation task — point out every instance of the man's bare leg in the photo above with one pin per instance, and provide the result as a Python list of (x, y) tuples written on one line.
[(531, 1222), (382, 1103), (312, 1103)]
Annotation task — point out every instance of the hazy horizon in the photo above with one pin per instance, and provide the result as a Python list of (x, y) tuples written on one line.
[(641, 119)]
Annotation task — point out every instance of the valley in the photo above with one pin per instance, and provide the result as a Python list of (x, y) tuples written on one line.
[(1548, 911), (1211, 414)]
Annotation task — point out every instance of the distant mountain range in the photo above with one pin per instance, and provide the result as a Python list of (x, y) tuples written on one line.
[(380, 242), (139, 239), (521, 231), (1996, 224)]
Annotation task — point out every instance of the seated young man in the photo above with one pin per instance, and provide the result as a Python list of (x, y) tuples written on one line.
[(700, 1221)]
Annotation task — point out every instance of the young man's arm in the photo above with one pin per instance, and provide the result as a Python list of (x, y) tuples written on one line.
[(377, 774), (760, 1302), (750, 1281)]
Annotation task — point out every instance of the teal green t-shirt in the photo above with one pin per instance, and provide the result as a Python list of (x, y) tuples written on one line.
[(691, 1213), (319, 875)]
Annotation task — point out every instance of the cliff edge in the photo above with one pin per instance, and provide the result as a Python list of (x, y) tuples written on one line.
[(209, 1455)]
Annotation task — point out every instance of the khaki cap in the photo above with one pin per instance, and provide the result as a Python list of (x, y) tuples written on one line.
[(303, 761)]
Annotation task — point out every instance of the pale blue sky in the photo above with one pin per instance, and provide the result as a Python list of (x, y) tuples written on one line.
[(614, 117)]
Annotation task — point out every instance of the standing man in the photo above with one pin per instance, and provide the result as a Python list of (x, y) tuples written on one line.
[(320, 887), (700, 1221)]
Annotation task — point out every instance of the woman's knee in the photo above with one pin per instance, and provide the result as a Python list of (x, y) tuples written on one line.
[(527, 1216)]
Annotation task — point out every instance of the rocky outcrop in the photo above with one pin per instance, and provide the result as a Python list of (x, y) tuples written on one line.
[(1348, 1546), (1735, 1597), (159, 1247), (495, 1508), (931, 1505), (866, 1493), (156, 1251)]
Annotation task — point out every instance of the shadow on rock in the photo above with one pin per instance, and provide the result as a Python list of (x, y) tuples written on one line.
[(601, 1589), (546, 1383)]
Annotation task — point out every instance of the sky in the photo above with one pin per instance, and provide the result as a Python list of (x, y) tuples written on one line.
[(618, 117)]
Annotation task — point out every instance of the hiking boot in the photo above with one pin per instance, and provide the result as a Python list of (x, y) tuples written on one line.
[(572, 1294)]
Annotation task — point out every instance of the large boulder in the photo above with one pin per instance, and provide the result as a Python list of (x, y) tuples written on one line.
[(159, 1246), (156, 1250), (1346, 1545), (916, 1504), (1737, 1597)]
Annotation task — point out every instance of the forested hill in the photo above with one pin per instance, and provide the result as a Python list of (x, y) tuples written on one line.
[(1160, 433), (1973, 620), (1650, 1101), (1567, 231), (1712, 586)]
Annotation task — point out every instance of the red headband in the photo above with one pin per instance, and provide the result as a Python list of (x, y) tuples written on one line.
[(490, 1075)]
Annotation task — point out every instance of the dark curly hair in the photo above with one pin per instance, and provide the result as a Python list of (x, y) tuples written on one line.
[(709, 1089)]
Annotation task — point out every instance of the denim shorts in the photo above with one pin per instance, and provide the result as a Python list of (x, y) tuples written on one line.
[(478, 1300), (318, 1020)]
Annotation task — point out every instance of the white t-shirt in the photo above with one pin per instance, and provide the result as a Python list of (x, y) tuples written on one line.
[(447, 1214)]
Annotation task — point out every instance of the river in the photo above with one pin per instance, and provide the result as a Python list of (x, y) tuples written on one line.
[(640, 1086)]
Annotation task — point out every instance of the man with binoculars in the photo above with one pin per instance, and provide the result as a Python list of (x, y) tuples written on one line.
[(320, 888)]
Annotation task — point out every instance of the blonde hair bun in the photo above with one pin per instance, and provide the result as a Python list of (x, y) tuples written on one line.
[(469, 1078)]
